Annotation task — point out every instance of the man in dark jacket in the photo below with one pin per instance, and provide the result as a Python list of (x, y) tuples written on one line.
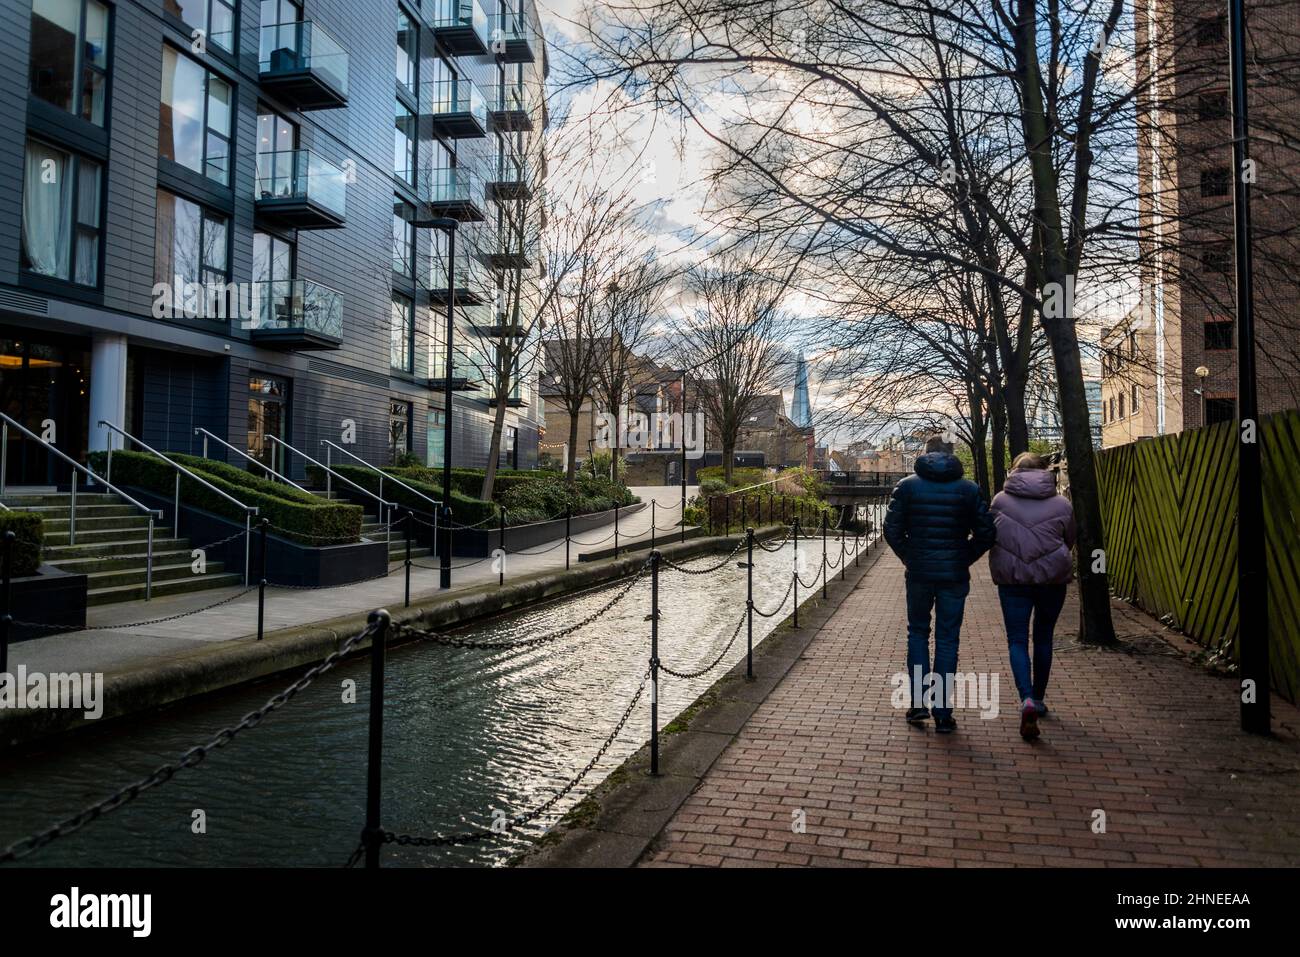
[(938, 524)]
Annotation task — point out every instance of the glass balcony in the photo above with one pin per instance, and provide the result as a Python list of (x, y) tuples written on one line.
[(304, 65), (509, 247), (511, 107), (461, 27), (449, 193), (467, 369), (456, 108), (470, 285), (512, 178), (296, 314), (300, 189), (513, 38)]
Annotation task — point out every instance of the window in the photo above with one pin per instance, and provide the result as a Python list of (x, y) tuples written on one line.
[(280, 11), (1218, 334), (275, 134), (399, 429), (1216, 257), (404, 144), (1212, 106), (1132, 345), (191, 258), (1220, 409), (1133, 405), (216, 18), (1112, 408), (69, 56), (401, 334), (61, 214), (1211, 31), (272, 258), (510, 448), (1121, 405), (195, 119), (433, 438), (407, 51), (1214, 182), (403, 237)]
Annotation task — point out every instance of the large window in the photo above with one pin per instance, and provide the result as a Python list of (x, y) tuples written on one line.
[(69, 56), (195, 118), (403, 237), (510, 448), (1218, 335), (433, 439), (401, 334), (1220, 409), (399, 429), (216, 18), (191, 257), (404, 144), (407, 51), (61, 214)]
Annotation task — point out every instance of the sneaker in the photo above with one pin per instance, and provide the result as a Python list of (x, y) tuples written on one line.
[(917, 716), (1040, 707), (1029, 721), (945, 725)]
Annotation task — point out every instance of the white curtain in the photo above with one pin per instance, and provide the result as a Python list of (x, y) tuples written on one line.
[(47, 210)]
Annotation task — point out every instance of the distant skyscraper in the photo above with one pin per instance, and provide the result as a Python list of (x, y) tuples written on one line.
[(801, 408)]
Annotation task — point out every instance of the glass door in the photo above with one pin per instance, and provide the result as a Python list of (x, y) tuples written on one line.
[(267, 416), (44, 387)]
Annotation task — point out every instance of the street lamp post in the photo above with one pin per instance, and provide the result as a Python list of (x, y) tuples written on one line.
[(1252, 583), (1202, 373), (448, 226), (683, 440)]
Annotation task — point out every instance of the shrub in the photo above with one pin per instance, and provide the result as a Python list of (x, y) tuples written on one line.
[(741, 477), (310, 519), (29, 537), (465, 510)]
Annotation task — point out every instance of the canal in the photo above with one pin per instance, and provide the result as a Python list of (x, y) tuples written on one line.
[(468, 734)]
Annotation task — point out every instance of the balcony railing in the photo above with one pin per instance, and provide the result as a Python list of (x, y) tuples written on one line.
[(456, 108), (470, 281), (466, 369), (301, 189), (511, 106), (296, 314), (513, 38), (507, 247), (303, 64), (512, 178), (461, 27), (454, 192)]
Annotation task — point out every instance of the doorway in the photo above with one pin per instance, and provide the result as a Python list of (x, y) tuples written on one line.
[(45, 387), (268, 400)]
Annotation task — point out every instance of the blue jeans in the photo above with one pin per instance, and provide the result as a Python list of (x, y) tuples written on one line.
[(1044, 603), (948, 601)]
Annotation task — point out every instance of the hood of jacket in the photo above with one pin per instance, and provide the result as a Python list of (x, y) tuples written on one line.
[(1030, 483), (938, 467)]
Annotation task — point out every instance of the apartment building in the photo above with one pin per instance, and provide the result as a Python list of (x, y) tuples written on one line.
[(238, 216), (1170, 364)]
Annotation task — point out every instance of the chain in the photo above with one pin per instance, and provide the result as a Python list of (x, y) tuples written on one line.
[(218, 544), (137, 624), (467, 837), (703, 571), (775, 611), (333, 539), (435, 568), (687, 675), (578, 541), (388, 570), (189, 759), (812, 584)]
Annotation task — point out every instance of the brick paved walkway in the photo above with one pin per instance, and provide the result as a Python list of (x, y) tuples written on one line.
[(1148, 738)]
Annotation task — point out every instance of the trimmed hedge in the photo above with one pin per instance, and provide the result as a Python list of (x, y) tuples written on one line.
[(29, 538), (312, 520), (465, 510), (532, 495)]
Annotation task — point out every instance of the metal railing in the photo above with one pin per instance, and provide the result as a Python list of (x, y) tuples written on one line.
[(248, 510), (92, 478), (248, 458), (330, 448), (385, 507)]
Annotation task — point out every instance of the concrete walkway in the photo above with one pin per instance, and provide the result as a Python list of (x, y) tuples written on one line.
[(826, 773), (111, 649)]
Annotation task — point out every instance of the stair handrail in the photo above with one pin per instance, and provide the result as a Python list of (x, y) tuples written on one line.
[(262, 465), (6, 422), (383, 503), (384, 476), (249, 510)]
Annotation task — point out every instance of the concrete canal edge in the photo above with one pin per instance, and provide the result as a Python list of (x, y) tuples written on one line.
[(222, 665), (620, 818)]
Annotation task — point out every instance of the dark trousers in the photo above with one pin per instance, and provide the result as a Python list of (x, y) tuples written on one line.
[(948, 602), (1020, 603)]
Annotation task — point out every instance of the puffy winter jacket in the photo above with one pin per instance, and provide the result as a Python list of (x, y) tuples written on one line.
[(937, 522), (1035, 531)]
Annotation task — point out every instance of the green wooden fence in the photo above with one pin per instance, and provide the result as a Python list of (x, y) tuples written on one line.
[(1170, 509)]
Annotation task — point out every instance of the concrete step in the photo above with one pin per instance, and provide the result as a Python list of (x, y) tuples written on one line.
[(126, 546), (161, 573), (112, 595), (103, 563), (54, 523), (398, 553), (51, 512), (24, 502), (108, 536)]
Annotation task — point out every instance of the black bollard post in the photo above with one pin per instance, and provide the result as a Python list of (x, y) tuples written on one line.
[(444, 549), (501, 568), (749, 602), (6, 596), (654, 662), (795, 535), (379, 619), (843, 563), (568, 522), (824, 566), (652, 523), (727, 513), (616, 529), (261, 586), (409, 522)]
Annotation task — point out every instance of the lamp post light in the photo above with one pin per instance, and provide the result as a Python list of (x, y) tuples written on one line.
[(448, 226), (1202, 373)]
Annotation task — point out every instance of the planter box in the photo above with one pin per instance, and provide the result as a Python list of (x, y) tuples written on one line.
[(51, 597)]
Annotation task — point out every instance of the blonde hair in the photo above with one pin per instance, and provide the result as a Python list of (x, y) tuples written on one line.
[(1029, 460)]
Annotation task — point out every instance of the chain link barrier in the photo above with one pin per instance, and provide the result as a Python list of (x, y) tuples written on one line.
[(685, 570), (777, 610), (688, 675)]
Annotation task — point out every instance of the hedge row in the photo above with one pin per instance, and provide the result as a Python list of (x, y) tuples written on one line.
[(465, 510), (29, 537), (309, 519), (531, 495)]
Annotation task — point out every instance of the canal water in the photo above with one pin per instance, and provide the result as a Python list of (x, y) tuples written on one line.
[(468, 734)]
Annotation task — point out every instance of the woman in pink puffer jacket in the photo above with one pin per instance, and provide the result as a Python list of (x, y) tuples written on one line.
[(1031, 564)]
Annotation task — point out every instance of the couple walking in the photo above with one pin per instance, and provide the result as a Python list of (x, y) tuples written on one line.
[(938, 525)]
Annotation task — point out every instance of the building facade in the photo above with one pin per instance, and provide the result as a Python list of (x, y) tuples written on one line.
[(235, 216)]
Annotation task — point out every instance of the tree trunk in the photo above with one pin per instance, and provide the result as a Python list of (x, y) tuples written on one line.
[(571, 465), (1014, 418), (999, 443), (494, 450), (728, 459)]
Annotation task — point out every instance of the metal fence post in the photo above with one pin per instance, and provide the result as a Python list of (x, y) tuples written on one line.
[(727, 528), (652, 523), (654, 662), (408, 557), (795, 534), (568, 523), (176, 509), (372, 836), (843, 563), (148, 562), (261, 585), (749, 602), (616, 529), (6, 596), (501, 569), (824, 575)]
